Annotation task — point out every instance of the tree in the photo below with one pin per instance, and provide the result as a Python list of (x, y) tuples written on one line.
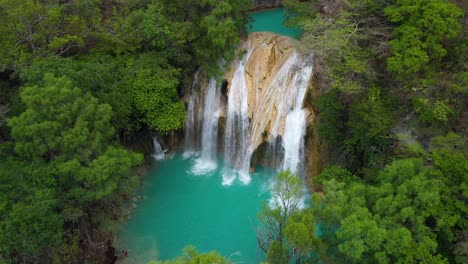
[(369, 123), (108, 86), (396, 220), (34, 29), (220, 32), (191, 256), (276, 253), (71, 132), (287, 194), (187, 32), (450, 156), (30, 223), (423, 26), (155, 98), (383, 53), (330, 126), (300, 234), (287, 200)]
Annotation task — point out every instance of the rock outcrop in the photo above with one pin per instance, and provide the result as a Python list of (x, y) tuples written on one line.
[(271, 73), (260, 4), (264, 115)]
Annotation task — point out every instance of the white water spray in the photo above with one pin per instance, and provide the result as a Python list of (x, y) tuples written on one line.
[(191, 124), (158, 152), (206, 163), (295, 128), (264, 103), (237, 136)]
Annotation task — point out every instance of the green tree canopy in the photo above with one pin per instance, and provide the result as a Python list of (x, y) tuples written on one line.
[(30, 222), (423, 26), (72, 132), (191, 256), (394, 221), (154, 94), (288, 230)]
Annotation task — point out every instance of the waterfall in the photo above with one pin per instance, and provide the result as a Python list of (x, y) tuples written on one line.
[(265, 93), (158, 153), (295, 128), (191, 125), (275, 97), (237, 153), (209, 134), (293, 140), (266, 106)]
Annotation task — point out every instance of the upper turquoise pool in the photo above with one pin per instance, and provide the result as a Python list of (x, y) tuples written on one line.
[(272, 21)]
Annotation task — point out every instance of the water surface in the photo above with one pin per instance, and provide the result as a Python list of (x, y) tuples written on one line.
[(180, 208), (272, 21)]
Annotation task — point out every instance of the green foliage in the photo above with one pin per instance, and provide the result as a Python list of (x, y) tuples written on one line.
[(287, 230), (330, 127), (297, 12), (287, 193), (340, 44), (180, 33), (437, 113), (276, 254), (69, 250), (33, 29), (394, 221), (65, 134), (450, 156), (191, 256), (423, 26), (200, 32), (130, 60), (162, 111), (300, 234), (60, 123), (29, 220), (71, 130), (108, 86), (370, 122), (371, 119), (414, 51)]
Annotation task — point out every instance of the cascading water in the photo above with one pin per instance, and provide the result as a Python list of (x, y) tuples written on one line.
[(237, 137), (191, 125), (295, 128), (293, 140), (209, 134), (158, 152), (274, 98), (266, 90)]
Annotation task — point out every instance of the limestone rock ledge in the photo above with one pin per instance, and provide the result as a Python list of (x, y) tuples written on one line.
[(272, 60)]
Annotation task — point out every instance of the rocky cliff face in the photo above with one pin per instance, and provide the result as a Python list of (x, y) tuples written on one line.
[(260, 4), (265, 113), (271, 73)]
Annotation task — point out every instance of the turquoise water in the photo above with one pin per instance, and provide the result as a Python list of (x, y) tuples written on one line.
[(180, 208), (272, 21)]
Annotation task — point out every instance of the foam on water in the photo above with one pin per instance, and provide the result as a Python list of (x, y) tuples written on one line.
[(209, 134), (158, 152), (183, 209)]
